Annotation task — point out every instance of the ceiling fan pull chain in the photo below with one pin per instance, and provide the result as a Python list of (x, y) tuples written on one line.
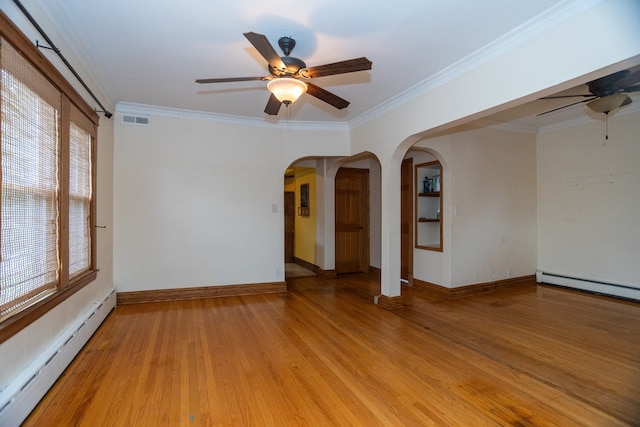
[(606, 126)]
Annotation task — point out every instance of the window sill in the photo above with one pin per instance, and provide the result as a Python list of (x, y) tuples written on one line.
[(14, 324)]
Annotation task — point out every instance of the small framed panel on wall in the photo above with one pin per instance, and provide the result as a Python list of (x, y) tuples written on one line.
[(303, 210)]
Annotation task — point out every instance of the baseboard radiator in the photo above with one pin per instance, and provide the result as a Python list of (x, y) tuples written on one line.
[(19, 398), (589, 285)]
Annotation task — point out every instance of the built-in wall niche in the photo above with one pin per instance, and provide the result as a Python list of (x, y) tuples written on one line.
[(429, 213)]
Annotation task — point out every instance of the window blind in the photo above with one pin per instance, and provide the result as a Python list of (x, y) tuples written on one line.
[(30, 108), (79, 200)]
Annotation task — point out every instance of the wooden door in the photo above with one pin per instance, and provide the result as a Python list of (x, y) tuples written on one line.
[(289, 224), (406, 221), (352, 228)]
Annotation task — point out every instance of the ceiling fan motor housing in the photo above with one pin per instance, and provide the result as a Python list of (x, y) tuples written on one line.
[(286, 44), (293, 66)]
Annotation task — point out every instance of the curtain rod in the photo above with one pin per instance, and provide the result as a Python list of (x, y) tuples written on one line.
[(52, 46)]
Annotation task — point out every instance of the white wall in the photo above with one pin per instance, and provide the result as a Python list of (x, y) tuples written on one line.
[(194, 201), (589, 201), (23, 348), (489, 208)]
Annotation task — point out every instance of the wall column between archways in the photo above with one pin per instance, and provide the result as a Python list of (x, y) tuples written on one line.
[(390, 164), (325, 227), (390, 285)]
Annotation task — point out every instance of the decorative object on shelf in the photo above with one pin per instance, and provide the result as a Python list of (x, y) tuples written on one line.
[(426, 185)]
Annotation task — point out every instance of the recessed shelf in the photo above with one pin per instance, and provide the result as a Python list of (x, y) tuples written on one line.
[(428, 205), (428, 220)]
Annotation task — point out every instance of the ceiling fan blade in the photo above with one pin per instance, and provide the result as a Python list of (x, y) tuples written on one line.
[(265, 49), (629, 80), (273, 106), (348, 66), (567, 96), (631, 89), (230, 79), (566, 106), (607, 85), (326, 96)]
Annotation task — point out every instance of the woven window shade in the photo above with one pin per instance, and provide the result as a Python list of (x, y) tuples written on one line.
[(79, 200), (29, 266)]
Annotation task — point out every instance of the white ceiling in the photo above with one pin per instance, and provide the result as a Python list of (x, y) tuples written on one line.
[(151, 52)]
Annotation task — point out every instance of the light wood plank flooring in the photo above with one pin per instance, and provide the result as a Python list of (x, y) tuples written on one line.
[(324, 355)]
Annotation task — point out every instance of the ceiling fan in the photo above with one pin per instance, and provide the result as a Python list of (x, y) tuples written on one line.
[(287, 73), (606, 93)]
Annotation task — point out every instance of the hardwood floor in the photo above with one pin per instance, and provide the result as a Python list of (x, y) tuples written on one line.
[(324, 354)]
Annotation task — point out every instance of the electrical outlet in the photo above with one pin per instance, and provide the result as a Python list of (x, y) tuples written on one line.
[(278, 272)]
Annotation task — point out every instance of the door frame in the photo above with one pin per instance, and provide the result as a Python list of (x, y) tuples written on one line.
[(407, 215)]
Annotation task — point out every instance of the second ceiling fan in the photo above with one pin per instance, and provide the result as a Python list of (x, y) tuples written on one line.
[(606, 93), (287, 73)]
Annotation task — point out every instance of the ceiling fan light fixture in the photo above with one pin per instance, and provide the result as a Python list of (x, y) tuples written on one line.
[(606, 104), (287, 89)]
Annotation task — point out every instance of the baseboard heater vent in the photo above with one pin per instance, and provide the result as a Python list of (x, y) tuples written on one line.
[(594, 286), (19, 398)]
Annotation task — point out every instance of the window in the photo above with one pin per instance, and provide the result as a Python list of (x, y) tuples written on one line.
[(47, 136), (79, 200)]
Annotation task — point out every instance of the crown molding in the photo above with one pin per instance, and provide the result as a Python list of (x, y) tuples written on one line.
[(178, 113)]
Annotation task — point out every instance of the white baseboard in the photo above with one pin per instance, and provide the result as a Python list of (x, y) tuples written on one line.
[(589, 285), (19, 398)]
